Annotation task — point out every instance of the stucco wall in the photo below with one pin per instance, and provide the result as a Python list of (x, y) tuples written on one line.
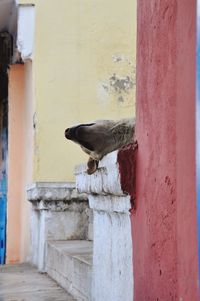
[(164, 223), (84, 69), (20, 160), (28, 151), (15, 162)]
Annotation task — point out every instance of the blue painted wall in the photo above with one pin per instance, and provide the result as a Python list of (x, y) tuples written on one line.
[(3, 186), (3, 179)]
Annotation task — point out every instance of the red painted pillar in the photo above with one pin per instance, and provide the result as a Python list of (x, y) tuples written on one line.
[(164, 223)]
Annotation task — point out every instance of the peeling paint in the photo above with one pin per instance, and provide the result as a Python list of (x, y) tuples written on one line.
[(120, 99), (116, 86), (118, 58), (105, 86), (121, 84)]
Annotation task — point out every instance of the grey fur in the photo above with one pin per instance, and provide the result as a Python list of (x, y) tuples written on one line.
[(102, 137)]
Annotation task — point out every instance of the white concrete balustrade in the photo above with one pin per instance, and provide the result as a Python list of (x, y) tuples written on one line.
[(63, 227), (58, 213), (112, 270)]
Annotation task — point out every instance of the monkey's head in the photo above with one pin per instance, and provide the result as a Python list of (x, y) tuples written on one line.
[(79, 135), (101, 137)]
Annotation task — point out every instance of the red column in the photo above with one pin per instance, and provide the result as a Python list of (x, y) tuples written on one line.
[(164, 223)]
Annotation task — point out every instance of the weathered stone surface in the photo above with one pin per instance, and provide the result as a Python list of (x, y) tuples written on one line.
[(70, 264), (56, 205), (47, 225), (112, 253), (59, 213), (112, 271), (51, 192), (106, 180), (110, 203)]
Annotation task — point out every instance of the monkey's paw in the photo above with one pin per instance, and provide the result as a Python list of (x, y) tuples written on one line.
[(92, 166)]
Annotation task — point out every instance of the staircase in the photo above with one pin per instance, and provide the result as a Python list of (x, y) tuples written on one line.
[(89, 264), (70, 264), (61, 236)]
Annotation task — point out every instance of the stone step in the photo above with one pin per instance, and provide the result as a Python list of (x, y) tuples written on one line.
[(70, 264)]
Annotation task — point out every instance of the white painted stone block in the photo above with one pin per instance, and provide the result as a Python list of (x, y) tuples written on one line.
[(58, 213), (110, 203), (70, 264), (106, 180), (112, 253), (112, 276)]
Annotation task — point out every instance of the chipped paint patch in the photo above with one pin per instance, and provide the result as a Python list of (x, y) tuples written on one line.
[(121, 84), (120, 99), (116, 86), (118, 58)]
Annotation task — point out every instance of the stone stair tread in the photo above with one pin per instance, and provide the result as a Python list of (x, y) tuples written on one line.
[(70, 264), (79, 249)]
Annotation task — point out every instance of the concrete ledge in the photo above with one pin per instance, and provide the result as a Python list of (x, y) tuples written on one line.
[(56, 196), (105, 181)]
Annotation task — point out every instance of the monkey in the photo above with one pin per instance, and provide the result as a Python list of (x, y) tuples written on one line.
[(101, 137)]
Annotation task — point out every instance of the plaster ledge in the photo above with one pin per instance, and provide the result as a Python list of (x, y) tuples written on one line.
[(56, 196), (105, 181)]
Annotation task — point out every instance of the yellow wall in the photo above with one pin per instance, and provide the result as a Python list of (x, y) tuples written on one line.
[(79, 46)]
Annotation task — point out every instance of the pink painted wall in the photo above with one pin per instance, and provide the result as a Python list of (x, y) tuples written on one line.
[(15, 161), (28, 157), (20, 161), (164, 224)]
